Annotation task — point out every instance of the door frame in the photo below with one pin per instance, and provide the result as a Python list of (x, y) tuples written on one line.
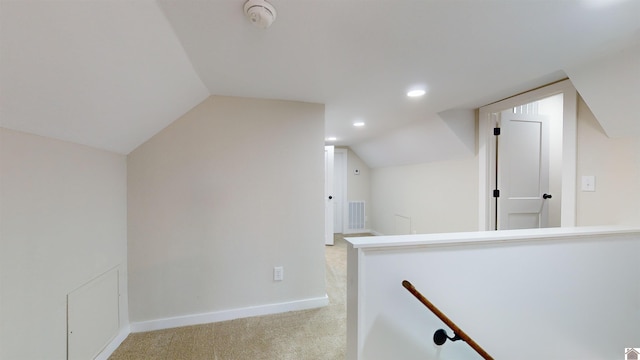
[(328, 195), (343, 171), (487, 151)]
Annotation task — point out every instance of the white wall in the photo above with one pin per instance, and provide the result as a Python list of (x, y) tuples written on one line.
[(563, 293), (216, 200), (615, 162), (437, 196), (63, 212)]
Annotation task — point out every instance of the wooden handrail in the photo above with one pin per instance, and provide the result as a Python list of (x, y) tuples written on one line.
[(456, 330)]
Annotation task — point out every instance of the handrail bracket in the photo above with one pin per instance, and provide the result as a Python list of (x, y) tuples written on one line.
[(440, 336)]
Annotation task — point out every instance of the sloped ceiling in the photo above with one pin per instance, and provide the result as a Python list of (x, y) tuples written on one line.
[(108, 74), (111, 74), (611, 87)]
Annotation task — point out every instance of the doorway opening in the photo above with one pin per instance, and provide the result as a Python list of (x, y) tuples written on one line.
[(527, 148)]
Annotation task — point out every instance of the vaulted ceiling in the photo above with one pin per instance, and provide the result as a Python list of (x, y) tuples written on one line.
[(112, 73)]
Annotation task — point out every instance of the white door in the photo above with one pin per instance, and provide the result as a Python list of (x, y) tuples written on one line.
[(328, 195), (339, 188), (563, 152), (523, 171)]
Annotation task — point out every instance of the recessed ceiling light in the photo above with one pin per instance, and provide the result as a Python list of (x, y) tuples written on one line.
[(331, 138), (358, 124), (416, 93)]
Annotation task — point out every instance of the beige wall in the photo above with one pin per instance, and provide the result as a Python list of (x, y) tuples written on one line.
[(63, 214), (437, 197), (215, 201), (220, 197), (615, 162)]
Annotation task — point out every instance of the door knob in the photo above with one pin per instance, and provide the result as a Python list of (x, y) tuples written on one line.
[(330, 197), (546, 196)]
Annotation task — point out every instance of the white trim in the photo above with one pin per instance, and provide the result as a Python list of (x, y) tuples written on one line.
[(356, 231), (328, 194), (345, 179), (568, 214), (489, 238), (225, 315), (484, 172), (113, 345), (486, 151)]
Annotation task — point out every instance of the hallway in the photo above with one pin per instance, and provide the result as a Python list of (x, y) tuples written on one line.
[(298, 335)]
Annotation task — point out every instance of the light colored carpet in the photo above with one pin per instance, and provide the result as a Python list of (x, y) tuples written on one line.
[(310, 334)]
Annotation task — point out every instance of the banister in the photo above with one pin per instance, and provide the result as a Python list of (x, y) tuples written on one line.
[(441, 336)]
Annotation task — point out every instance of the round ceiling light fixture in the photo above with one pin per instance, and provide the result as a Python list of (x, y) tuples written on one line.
[(416, 93), (260, 13)]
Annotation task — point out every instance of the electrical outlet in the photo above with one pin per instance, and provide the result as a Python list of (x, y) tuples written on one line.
[(278, 273)]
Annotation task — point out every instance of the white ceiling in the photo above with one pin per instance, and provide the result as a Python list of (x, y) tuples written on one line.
[(112, 73)]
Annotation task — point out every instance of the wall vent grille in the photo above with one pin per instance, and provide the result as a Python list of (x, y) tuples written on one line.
[(356, 215)]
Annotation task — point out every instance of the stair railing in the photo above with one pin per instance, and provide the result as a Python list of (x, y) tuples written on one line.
[(440, 336)]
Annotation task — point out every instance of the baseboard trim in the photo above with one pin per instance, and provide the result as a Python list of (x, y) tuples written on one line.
[(225, 315), (377, 233), (357, 231), (113, 345)]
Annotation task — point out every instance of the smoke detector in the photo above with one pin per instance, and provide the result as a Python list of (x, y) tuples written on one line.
[(260, 13)]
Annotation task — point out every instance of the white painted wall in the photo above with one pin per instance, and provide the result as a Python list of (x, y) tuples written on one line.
[(462, 122), (216, 200), (63, 213), (436, 196), (563, 293), (615, 162)]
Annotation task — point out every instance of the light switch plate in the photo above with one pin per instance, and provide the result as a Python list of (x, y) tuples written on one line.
[(278, 273), (588, 183)]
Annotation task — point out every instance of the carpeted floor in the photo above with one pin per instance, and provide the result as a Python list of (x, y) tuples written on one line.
[(317, 334)]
